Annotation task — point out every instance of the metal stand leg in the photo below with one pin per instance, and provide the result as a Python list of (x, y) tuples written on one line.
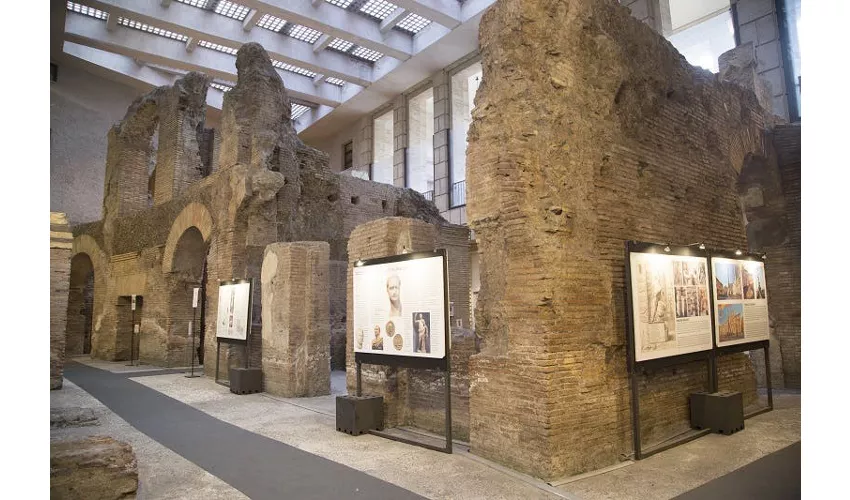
[(635, 414), (448, 407), (359, 383), (767, 376)]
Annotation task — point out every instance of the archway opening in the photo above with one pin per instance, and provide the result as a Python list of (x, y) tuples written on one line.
[(78, 328), (187, 273)]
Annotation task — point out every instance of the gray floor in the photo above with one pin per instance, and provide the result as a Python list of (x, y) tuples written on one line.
[(257, 466)]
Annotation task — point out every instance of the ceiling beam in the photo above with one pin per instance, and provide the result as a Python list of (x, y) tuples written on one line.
[(391, 20), (205, 25), (339, 23), (251, 19), (445, 12), (153, 48), (165, 3), (128, 68), (321, 43)]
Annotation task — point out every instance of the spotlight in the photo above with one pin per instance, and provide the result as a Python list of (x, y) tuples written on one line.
[(358, 263), (667, 248), (702, 246), (738, 252), (764, 257)]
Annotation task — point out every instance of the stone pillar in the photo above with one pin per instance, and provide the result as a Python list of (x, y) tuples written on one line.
[(442, 124), (296, 326), (400, 141), (363, 145), (60, 279)]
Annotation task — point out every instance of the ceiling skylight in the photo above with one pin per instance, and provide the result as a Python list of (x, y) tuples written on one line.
[(340, 3), (271, 22), (298, 110), (232, 10), (413, 23), (367, 54), (340, 45), (335, 81), (87, 11), (293, 69), (214, 46), (379, 9), (151, 29), (203, 4), (304, 33), (219, 86)]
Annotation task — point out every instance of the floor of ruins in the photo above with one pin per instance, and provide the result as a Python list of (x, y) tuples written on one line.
[(195, 439)]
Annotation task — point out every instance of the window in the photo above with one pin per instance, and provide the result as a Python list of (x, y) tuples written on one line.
[(348, 155), (789, 22), (464, 86), (701, 31), (382, 148), (420, 149)]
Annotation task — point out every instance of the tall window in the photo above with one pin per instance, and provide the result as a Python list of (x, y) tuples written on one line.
[(420, 149), (382, 148), (701, 30), (464, 86), (348, 155), (789, 21)]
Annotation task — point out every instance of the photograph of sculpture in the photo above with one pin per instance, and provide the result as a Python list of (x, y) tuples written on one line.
[(656, 312), (702, 298), (422, 332), (730, 321), (378, 340), (728, 281), (689, 273), (394, 294)]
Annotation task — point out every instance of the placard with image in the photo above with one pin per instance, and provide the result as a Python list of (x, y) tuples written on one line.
[(670, 305), (232, 318), (740, 296), (399, 308)]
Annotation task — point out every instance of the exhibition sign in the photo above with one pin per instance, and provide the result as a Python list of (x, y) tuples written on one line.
[(400, 306), (233, 310), (740, 301), (670, 305)]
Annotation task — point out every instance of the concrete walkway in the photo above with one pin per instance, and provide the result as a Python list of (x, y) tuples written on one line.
[(257, 466)]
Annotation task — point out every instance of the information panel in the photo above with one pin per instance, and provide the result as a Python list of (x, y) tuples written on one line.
[(232, 319), (740, 300), (399, 308), (670, 305)]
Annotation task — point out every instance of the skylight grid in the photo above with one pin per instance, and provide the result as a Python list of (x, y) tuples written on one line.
[(340, 3), (368, 54), (341, 45), (413, 23), (293, 69), (298, 110), (379, 9), (87, 11), (271, 22), (214, 46), (335, 81), (151, 29), (232, 10), (201, 4), (304, 33), (221, 87)]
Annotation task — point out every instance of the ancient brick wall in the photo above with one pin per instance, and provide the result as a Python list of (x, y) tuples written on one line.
[(60, 278), (589, 130)]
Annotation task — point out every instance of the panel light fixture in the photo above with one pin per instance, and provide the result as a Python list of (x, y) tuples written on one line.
[(214, 46), (271, 23), (335, 81), (221, 87), (151, 29), (367, 54), (232, 10), (298, 110), (340, 45), (413, 23), (379, 9), (340, 3), (304, 33), (201, 4), (87, 11), (292, 69)]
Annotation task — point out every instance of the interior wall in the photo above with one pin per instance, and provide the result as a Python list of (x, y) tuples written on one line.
[(83, 107)]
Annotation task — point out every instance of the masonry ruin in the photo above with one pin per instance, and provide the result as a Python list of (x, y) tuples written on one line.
[(197, 206)]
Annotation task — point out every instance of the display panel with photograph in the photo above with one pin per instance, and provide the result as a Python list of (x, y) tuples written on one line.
[(740, 294), (400, 307), (233, 313), (671, 314)]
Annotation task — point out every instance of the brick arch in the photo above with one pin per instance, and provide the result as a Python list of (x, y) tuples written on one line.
[(88, 245), (193, 215)]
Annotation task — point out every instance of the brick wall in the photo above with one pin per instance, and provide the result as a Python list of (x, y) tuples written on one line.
[(60, 278), (589, 131)]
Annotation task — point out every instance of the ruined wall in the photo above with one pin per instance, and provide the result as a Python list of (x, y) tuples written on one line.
[(589, 130), (417, 397), (60, 277)]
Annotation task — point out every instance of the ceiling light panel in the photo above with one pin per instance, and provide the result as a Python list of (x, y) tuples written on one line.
[(367, 54), (340, 3), (340, 45), (151, 29), (271, 22), (298, 110), (335, 81), (87, 11), (223, 88), (379, 9), (413, 23), (293, 69), (304, 33), (232, 10), (214, 46), (202, 4)]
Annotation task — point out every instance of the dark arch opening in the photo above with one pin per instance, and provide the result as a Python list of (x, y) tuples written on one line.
[(189, 271), (78, 327)]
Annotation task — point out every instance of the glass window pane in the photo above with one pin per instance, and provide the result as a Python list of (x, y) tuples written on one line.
[(382, 148), (420, 147), (703, 43), (464, 86)]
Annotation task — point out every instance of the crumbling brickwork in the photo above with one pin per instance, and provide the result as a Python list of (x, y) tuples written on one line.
[(417, 397), (219, 198), (589, 130), (60, 277)]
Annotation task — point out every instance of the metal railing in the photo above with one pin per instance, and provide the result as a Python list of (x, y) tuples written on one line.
[(429, 195), (458, 198)]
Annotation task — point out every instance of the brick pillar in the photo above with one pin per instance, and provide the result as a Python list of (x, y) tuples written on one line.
[(60, 278), (400, 141), (442, 123), (296, 342)]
